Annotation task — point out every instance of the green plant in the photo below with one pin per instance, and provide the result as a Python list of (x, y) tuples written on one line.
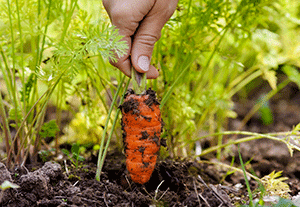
[(282, 202), (265, 112), (48, 50), (74, 156), (103, 149), (211, 51), (288, 136), (272, 185), (246, 179), (49, 129), (202, 67), (45, 155), (157, 202)]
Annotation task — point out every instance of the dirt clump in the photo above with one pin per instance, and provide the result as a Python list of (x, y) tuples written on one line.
[(173, 183)]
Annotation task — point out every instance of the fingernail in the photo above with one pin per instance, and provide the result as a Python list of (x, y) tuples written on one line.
[(144, 63)]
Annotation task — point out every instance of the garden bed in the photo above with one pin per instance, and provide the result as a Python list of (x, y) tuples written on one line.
[(184, 182), (173, 183)]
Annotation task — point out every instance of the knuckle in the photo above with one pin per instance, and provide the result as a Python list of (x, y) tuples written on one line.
[(119, 14), (148, 39)]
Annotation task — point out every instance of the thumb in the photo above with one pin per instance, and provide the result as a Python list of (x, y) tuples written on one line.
[(147, 34), (142, 48)]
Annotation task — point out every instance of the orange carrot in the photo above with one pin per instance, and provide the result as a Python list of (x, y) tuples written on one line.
[(142, 125)]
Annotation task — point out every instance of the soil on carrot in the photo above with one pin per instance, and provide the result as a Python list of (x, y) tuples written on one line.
[(141, 125), (184, 182)]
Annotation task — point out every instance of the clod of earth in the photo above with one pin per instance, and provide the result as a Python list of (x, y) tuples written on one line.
[(36, 185), (4, 176), (142, 125)]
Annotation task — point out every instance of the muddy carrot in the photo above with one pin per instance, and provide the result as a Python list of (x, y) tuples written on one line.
[(142, 125)]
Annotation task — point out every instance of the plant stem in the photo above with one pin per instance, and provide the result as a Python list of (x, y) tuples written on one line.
[(246, 179), (67, 18), (253, 136), (189, 61), (244, 82), (112, 130), (260, 104), (44, 34), (47, 95), (13, 74), (6, 131), (139, 81), (101, 152), (22, 56), (229, 167)]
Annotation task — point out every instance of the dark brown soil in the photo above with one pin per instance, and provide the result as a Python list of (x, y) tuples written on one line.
[(173, 183)]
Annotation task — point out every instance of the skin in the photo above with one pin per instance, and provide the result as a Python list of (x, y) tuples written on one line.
[(140, 22)]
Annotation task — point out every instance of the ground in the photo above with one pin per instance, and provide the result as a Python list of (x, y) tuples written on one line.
[(181, 182), (173, 183)]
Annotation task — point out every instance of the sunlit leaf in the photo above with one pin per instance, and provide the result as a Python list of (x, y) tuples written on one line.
[(7, 184), (270, 76), (275, 186), (292, 73)]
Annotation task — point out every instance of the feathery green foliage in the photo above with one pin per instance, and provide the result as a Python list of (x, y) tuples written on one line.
[(211, 51), (45, 48)]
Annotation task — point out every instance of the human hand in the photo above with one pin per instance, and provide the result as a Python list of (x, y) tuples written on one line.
[(140, 22)]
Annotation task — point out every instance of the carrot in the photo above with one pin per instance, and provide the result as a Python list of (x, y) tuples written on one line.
[(141, 125)]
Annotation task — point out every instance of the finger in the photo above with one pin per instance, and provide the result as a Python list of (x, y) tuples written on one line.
[(148, 33), (152, 73), (126, 15), (125, 67)]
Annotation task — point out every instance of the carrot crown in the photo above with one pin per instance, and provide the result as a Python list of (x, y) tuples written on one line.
[(139, 81)]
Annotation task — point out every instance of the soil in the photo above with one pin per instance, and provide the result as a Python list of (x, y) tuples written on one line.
[(172, 184), (181, 182)]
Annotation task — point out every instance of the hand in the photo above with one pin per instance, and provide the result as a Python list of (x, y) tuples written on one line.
[(140, 22)]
